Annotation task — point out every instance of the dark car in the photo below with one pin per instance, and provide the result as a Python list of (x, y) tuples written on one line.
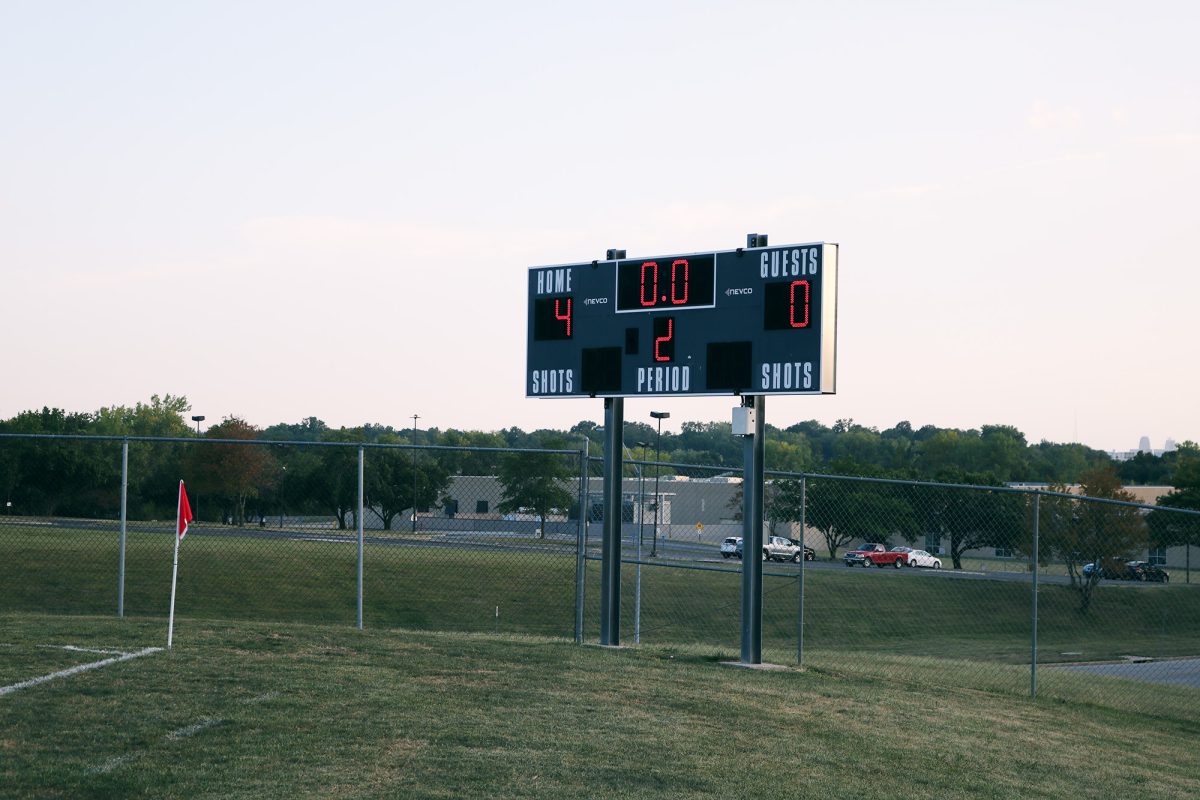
[(1145, 571), (809, 553), (1129, 571)]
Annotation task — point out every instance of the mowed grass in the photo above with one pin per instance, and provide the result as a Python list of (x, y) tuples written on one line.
[(247, 709), (476, 589)]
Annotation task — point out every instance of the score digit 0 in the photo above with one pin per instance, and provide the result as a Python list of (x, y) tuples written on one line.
[(787, 305)]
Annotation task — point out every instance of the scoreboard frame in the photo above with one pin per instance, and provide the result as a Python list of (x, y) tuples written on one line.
[(748, 321)]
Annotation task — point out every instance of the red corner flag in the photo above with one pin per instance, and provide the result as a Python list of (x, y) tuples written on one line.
[(185, 513)]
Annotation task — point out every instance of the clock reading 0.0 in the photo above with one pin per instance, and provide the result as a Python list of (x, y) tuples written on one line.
[(665, 283)]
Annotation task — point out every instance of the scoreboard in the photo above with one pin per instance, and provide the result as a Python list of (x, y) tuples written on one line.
[(745, 321)]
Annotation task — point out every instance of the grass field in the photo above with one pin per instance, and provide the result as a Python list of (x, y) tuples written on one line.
[(245, 709), (421, 587)]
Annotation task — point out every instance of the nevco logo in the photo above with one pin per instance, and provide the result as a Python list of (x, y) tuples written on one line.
[(731, 292), (595, 301)]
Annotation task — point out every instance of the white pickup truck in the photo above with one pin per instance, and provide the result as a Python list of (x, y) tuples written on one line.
[(779, 548)]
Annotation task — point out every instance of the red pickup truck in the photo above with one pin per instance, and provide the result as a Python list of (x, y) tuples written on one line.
[(873, 553), (862, 556)]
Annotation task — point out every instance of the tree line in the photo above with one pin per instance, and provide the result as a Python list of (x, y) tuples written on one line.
[(240, 483)]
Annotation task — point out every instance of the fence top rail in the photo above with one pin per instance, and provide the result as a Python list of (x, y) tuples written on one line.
[(282, 442), (1030, 490)]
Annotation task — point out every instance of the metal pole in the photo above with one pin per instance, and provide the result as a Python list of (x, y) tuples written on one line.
[(610, 548), (581, 540), (657, 470), (175, 566), (752, 523), (124, 520), (360, 538), (414, 466), (1037, 506), (641, 498), (800, 621), (637, 594)]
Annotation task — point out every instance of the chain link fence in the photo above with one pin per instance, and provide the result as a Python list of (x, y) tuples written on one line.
[(1012, 589), (380, 535)]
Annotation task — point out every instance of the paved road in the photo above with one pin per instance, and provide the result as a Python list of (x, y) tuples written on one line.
[(1180, 671)]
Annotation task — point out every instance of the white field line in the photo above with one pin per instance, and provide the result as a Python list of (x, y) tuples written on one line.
[(111, 764), (262, 698), (75, 649), (192, 730), (66, 673)]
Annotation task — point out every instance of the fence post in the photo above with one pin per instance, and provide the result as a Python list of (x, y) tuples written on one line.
[(1037, 502), (360, 537), (800, 621), (124, 520), (581, 540)]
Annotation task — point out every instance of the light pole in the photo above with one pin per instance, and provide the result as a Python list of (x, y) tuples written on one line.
[(414, 467), (641, 492), (660, 416), (196, 495)]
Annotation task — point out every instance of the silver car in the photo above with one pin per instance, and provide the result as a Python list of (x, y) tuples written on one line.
[(731, 547)]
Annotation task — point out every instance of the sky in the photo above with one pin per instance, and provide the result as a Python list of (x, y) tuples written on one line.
[(292, 209)]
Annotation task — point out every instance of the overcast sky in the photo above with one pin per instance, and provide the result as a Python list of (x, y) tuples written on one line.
[(296, 209)]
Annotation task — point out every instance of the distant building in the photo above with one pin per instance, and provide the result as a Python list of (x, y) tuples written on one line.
[(1143, 447)]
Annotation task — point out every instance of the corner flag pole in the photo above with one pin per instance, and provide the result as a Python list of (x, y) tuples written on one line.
[(180, 530)]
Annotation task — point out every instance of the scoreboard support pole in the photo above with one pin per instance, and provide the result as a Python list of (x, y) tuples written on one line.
[(610, 545), (754, 453)]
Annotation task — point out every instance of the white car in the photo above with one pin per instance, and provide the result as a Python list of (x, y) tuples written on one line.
[(730, 547), (920, 558)]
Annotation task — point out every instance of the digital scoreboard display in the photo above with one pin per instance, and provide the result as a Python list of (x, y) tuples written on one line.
[(745, 321)]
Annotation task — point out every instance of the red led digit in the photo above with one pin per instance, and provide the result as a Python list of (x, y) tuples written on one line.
[(674, 264), (803, 323), (564, 317), (659, 341), (654, 288)]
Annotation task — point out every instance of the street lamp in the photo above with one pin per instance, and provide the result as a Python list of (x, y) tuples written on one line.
[(660, 416), (641, 493), (414, 466), (196, 495)]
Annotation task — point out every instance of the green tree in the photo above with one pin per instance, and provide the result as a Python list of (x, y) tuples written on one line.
[(154, 467), (230, 473), (1171, 528), (844, 511), (537, 482), (1080, 531), (335, 483), (470, 461), (56, 476), (400, 479), (782, 501), (969, 519)]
